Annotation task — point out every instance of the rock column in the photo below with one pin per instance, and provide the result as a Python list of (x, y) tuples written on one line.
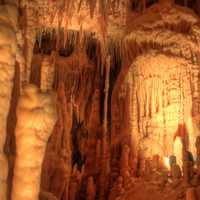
[(8, 54), (36, 116)]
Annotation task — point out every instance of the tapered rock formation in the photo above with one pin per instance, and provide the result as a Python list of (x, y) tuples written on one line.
[(36, 116), (91, 189), (8, 53), (198, 153), (30, 9), (47, 72)]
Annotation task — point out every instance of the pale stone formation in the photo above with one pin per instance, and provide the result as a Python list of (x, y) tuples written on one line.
[(36, 116), (8, 54), (160, 114)]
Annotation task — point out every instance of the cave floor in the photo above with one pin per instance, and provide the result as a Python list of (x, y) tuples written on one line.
[(154, 190)]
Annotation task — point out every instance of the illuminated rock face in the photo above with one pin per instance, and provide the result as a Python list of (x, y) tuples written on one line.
[(162, 94), (8, 51), (177, 151), (158, 85), (36, 116)]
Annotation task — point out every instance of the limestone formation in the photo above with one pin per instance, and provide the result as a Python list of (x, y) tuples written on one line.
[(177, 151), (176, 172), (8, 53), (91, 189), (190, 194), (36, 116), (47, 72), (47, 196), (124, 162), (198, 153), (125, 121)]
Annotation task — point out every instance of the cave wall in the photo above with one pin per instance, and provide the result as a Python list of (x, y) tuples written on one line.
[(157, 116)]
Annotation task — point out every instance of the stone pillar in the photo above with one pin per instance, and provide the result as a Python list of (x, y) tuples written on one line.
[(8, 54), (36, 116)]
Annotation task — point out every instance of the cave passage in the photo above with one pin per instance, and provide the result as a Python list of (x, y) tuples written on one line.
[(99, 100)]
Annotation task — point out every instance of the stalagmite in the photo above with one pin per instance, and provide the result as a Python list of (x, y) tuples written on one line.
[(190, 194), (36, 116), (117, 189), (73, 189), (177, 149), (67, 117), (8, 51), (124, 162), (91, 189), (175, 172)]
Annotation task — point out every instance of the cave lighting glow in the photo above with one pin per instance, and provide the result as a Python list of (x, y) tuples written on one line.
[(167, 162)]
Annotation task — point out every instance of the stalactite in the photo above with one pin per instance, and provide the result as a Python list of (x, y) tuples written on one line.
[(36, 116), (8, 53), (92, 6)]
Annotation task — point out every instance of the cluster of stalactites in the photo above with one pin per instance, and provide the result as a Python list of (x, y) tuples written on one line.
[(61, 12)]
